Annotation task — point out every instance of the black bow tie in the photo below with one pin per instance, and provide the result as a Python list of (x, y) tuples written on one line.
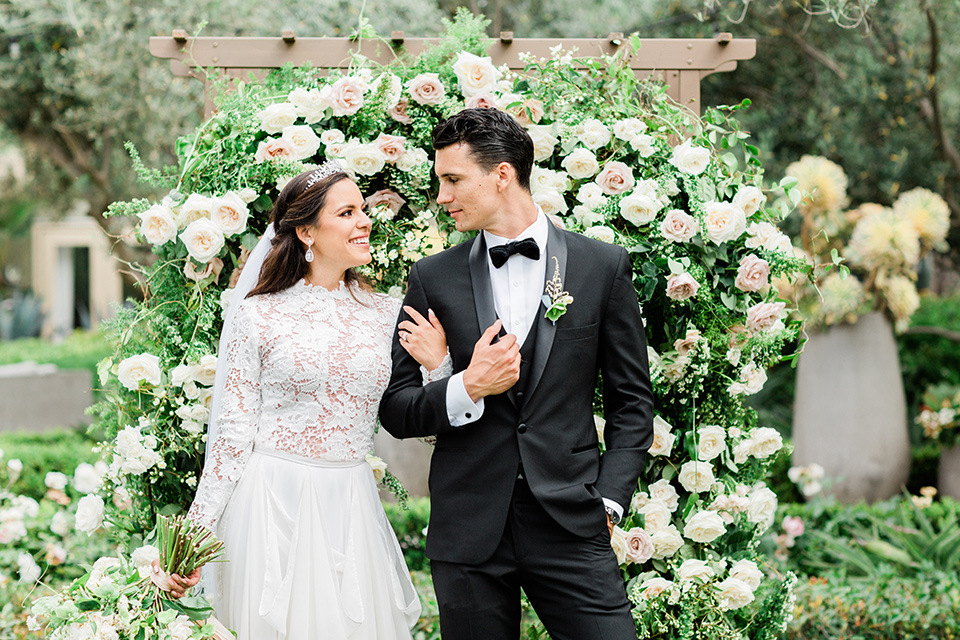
[(527, 247)]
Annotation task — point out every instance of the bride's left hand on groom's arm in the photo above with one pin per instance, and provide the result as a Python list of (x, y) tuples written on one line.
[(423, 338)]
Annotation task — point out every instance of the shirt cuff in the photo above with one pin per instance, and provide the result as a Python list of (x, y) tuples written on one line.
[(613, 505), (461, 410)]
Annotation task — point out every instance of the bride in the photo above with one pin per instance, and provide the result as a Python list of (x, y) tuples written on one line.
[(305, 357)]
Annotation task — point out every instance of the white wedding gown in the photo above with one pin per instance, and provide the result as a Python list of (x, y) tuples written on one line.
[(309, 551)]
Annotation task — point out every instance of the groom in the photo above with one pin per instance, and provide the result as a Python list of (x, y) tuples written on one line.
[(521, 497)]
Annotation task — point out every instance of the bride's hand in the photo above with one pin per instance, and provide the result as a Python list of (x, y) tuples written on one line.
[(423, 339), (173, 584)]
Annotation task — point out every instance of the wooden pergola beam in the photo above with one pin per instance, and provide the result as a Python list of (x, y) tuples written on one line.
[(680, 63)]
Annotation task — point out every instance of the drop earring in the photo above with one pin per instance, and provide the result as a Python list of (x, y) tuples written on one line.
[(308, 256)]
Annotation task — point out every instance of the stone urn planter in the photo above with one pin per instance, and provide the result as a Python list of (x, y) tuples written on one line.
[(948, 477), (850, 412)]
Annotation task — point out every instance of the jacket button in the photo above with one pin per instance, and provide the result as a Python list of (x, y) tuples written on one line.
[(519, 395), (522, 428)]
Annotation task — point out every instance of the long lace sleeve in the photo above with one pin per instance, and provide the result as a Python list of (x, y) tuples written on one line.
[(238, 421), (443, 370)]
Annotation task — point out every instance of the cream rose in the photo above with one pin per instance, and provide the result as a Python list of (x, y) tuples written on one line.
[(143, 557), (364, 159), (747, 572), (544, 141), (765, 317), (704, 527), (734, 594), (682, 286), (615, 178), (643, 145), (546, 180), (90, 512), (158, 224), (86, 478), (392, 147), (194, 208), (230, 213), (628, 129), (345, 96), (666, 542), (763, 506), (139, 367), (679, 226), (618, 542), (653, 587), (214, 267), (766, 442), (655, 514), (767, 236), (378, 466), (662, 438), (274, 148), (426, 89), (663, 491), (581, 164), (332, 136), (475, 74), (723, 222), (205, 371), (639, 209), (277, 116), (412, 159), (552, 202), (696, 476), (302, 138), (693, 569), (749, 199), (639, 546), (601, 233), (690, 159), (593, 134), (203, 240), (711, 442), (309, 104), (753, 274), (591, 195)]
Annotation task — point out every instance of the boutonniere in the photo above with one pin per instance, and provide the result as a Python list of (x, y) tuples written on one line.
[(555, 299)]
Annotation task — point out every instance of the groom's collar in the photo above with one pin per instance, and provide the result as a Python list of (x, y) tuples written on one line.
[(537, 231)]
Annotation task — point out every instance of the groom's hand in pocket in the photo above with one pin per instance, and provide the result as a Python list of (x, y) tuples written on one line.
[(494, 366)]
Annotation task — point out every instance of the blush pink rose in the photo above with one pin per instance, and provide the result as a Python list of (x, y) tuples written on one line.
[(392, 146), (399, 112), (483, 100), (215, 266), (753, 273), (639, 545), (765, 316), (427, 89), (274, 148), (385, 196), (793, 526), (345, 96), (528, 112), (681, 287), (616, 178), (679, 226)]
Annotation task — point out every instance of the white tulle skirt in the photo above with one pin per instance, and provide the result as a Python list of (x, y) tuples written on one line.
[(310, 554)]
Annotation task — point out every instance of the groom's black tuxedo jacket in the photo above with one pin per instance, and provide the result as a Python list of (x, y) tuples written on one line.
[(549, 426)]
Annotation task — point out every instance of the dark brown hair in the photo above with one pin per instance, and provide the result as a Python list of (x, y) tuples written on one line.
[(297, 206), (492, 137)]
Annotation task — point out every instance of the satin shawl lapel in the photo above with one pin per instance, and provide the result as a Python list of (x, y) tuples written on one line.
[(546, 330)]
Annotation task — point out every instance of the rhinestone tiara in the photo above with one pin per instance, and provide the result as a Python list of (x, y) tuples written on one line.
[(328, 168)]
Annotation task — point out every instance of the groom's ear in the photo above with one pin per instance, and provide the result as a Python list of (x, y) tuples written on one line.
[(505, 175)]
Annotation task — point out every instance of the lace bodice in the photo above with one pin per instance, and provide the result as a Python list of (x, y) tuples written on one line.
[(306, 370)]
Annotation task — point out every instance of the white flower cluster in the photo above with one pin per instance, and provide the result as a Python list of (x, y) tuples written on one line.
[(807, 478), (134, 453)]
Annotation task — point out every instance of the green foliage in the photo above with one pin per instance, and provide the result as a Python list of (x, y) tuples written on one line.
[(79, 350), (410, 525), (41, 453)]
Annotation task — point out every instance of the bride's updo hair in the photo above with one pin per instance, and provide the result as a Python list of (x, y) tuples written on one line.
[(298, 205)]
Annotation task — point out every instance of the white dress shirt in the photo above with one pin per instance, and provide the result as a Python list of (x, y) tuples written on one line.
[(518, 286)]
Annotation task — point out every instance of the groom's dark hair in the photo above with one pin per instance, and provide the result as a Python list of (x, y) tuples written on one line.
[(492, 137)]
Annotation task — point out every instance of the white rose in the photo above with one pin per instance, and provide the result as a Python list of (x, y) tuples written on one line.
[(695, 570), (139, 367), (593, 134), (475, 74), (749, 199), (734, 594), (55, 480), (277, 116), (544, 141), (766, 442), (60, 523), (14, 467), (90, 512), (767, 236), (591, 195), (711, 441), (618, 542), (365, 159), (704, 527), (640, 209), (226, 297), (86, 478), (195, 207), (723, 222), (653, 587), (690, 159), (752, 378), (309, 104), (552, 202), (679, 226), (601, 233), (585, 216), (662, 438), (628, 129), (379, 467), (696, 476), (302, 138), (643, 145), (180, 629), (581, 164), (412, 159), (546, 180), (206, 370), (332, 136), (747, 572), (666, 542), (143, 558), (656, 516), (616, 178), (742, 451), (763, 507), (426, 89), (345, 95), (158, 224), (230, 214), (203, 239), (29, 569), (181, 374), (663, 491)]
